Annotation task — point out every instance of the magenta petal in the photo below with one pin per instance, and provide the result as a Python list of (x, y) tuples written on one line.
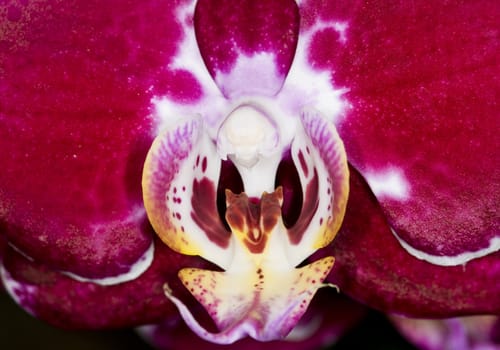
[(248, 46), (76, 83), (370, 265), (3, 243), (329, 316), (65, 302), (422, 127), (465, 333), (3, 248)]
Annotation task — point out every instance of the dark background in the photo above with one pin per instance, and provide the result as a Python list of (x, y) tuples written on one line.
[(20, 331)]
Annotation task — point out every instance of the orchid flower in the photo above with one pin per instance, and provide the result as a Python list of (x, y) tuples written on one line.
[(222, 161)]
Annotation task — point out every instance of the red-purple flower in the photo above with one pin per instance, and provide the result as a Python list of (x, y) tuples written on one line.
[(257, 129)]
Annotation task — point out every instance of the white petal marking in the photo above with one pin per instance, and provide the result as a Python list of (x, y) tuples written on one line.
[(17, 290), (188, 58), (390, 182), (307, 86), (257, 71), (137, 269), (455, 260)]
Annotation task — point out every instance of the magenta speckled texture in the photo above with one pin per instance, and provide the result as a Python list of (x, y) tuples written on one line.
[(76, 121), (423, 84), (225, 31), (74, 129), (71, 304), (370, 265)]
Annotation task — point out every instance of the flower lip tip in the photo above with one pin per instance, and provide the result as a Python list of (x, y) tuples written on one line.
[(332, 286), (167, 290)]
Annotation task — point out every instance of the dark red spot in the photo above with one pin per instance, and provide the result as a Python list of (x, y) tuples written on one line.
[(204, 164), (205, 214), (229, 179), (236, 219), (258, 218), (288, 178), (243, 214), (310, 206), (271, 209), (303, 164)]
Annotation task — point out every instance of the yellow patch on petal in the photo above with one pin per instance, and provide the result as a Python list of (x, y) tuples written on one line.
[(261, 294), (160, 169), (179, 186), (268, 301)]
